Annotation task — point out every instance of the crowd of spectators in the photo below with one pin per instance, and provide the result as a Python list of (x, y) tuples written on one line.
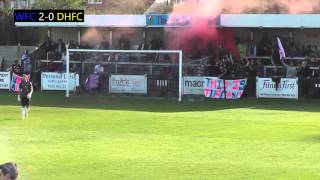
[(221, 63), (251, 68), (55, 50), (263, 60), (268, 47), (226, 66)]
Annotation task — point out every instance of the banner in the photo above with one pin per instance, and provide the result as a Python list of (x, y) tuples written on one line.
[(214, 88), (16, 81), (193, 85), (287, 88), (128, 84), (224, 89), (58, 81), (5, 80), (235, 88)]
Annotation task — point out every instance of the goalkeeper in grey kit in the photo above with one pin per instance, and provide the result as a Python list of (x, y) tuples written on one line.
[(24, 96)]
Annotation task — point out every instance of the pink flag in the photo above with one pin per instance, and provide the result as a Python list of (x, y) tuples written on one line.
[(282, 53)]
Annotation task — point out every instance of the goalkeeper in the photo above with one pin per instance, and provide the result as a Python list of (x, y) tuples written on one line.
[(24, 96)]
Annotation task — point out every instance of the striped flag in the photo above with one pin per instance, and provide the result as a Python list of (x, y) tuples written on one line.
[(282, 53)]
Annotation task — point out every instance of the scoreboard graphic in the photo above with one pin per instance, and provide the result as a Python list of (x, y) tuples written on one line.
[(49, 15)]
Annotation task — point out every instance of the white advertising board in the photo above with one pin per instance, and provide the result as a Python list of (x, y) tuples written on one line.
[(134, 84)]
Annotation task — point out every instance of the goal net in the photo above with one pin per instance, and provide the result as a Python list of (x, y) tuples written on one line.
[(124, 72)]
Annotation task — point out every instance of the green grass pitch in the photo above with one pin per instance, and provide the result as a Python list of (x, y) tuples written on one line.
[(135, 138)]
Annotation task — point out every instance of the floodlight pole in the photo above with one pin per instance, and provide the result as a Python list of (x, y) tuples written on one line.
[(67, 71)]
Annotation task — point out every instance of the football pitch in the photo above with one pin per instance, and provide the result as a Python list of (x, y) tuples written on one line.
[(92, 138)]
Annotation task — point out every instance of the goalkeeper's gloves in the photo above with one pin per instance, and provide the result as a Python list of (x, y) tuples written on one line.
[(29, 96)]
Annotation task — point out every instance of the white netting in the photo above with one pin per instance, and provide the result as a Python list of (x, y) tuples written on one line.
[(151, 73)]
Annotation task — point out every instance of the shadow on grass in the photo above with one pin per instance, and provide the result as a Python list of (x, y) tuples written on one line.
[(147, 104), (9, 119), (311, 139)]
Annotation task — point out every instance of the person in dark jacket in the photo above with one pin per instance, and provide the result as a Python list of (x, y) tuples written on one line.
[(304, 75), (8, 171), (24, 96), (305, 71)]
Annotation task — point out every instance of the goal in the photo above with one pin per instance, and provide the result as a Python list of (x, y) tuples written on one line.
[(128, 72)]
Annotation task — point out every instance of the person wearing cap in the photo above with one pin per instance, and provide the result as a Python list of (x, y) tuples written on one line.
[(24, 96), (8, 171)]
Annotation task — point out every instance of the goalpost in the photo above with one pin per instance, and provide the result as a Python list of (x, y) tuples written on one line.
[(148, 53)]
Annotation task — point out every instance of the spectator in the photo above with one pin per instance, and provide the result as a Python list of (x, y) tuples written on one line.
[(305, 71), (124, 43), (104, 43), (85, 45), (232, 66), (314, 64), (252, 49), (74, 68), (292, 50), (250, 73), (63, 66), (49, 44), (26, 63), (298, 52), (61, 49), (276, 76), (317, 51), (72, 45), (215, 68), (101, 70), (16, 68), (1, 63), (275, 59), (8, 171), (240, 69), (223, 68), (260, 68), (221, 52), (51, 67), (265, 45), (250, 68), (142, 46), (156, 43), (304, 74), (123, 57), (98, 69), (242, 49), (291, 70)]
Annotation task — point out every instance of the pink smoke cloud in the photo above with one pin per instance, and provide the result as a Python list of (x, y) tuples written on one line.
[(202, 11)]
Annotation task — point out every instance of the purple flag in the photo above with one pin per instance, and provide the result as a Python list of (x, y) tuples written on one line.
[(282, 53)]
